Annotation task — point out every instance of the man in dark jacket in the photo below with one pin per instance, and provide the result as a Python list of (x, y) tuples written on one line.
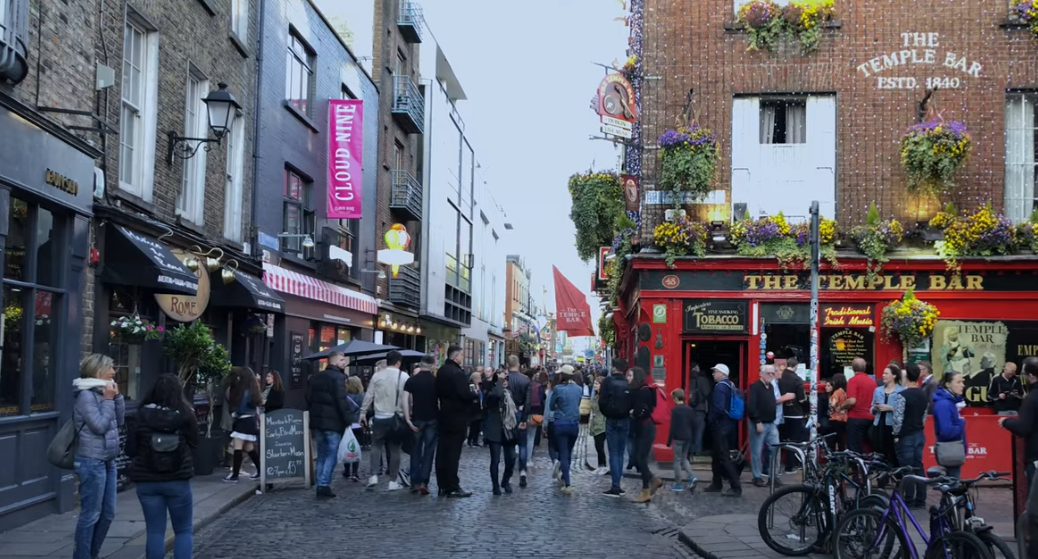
[(761, 409), (519, 385), (457, 400), (330, 411), (699, 387), (1005, 391), (616, 401), (1025, 425), (722, 427), (793, 426)]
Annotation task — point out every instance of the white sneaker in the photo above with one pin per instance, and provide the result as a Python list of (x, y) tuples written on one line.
[(558, 470), (602, 471), (372, 481), (393, 486)]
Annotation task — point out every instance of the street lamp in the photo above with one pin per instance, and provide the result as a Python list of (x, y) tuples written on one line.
[(222, 109), (308, 241)]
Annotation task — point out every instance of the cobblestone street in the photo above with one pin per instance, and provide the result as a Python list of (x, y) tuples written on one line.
[(537, 521)]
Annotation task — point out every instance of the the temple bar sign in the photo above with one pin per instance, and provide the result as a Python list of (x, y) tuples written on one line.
[(849, 282), (948, 69)]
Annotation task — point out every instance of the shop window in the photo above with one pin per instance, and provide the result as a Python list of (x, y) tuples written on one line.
[(298, 212), (234, 197), (191, 198), (240, 19), (299, 74), (137, 119), (1021, 194), (32, 303), (127, 350)]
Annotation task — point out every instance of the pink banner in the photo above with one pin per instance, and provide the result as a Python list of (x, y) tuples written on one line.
[(345, 158)]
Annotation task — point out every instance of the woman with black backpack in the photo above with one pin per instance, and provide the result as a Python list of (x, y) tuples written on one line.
[(160, 446), (644, 432)]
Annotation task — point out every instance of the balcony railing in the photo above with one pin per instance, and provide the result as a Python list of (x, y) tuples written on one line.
[(458, 275), (410, 21), (406, 194), (405, 288), (408, 105)]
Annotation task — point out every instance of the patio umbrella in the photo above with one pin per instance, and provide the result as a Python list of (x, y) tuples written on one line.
[(352, 348), (407, 354)]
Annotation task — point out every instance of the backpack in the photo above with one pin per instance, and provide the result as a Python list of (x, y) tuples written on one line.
[(616, 401), (736, 403), (62, 450), (661, 413), (164, 454)]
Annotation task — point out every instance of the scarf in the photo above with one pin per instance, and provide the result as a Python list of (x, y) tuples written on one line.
[(508, 415)]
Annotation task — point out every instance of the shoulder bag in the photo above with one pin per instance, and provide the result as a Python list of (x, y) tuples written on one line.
[(62, 450)]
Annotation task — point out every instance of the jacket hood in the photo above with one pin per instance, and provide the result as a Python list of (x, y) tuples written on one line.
[(81, 384), (943, 394), (160, 418)]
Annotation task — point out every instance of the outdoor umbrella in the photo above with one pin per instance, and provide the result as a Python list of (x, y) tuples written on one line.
[(352, 348), (407, 354)]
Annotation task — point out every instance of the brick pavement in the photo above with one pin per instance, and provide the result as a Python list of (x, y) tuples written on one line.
[(536, 521)]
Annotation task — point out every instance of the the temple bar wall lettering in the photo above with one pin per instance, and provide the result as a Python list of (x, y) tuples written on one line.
[(861, 283), (921, 49), (654, 280)]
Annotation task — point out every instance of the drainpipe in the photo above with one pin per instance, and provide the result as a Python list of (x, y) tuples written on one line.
[(255, 249)]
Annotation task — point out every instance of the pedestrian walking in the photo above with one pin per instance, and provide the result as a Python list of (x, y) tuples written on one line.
[(535, 419), (616, 402), (597, 428), (99, 412), (794, 422), (246, 399), (909, 416), (565, 405), (499, 432), (331, 413), (644, 398), (160, 447), (762, 410), (386, 396), (457, 399), (355, 394), (519, 386), (682, 423), (700, 388), (274, 393), (420, 412), (476, 423), (723, 427)]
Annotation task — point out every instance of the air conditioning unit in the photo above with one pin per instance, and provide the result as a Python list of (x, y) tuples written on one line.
[(674, 215)]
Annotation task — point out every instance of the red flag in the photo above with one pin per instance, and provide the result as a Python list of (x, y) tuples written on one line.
[(573, 315)]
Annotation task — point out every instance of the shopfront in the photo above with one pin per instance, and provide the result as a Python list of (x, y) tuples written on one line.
[(46, 194), (736, 311), (318, 316), (439, 337)]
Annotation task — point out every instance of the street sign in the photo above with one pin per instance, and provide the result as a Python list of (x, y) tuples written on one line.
[(615, 131), (610, 121)]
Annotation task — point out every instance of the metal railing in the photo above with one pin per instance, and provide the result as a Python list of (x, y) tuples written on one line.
[(405, 288), (408, 104), (406, 194), (410, 21)]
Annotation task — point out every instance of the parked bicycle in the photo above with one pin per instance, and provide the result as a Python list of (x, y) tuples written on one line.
[(958, 506), (874, 533)]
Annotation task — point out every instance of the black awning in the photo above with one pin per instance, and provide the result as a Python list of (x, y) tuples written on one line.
[(138, 260), (248, 292)]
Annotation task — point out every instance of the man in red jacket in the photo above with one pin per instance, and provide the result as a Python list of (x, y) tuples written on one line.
[(859, 405)]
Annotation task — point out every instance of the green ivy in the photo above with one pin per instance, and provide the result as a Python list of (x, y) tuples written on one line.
[(607, 330), (789, 254), (597, 206), (615, 269)]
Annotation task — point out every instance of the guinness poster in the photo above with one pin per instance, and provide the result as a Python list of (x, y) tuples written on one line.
[(716, 317), (975, 349)]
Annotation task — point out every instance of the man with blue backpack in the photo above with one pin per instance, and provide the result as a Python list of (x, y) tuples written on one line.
[(727, 407)]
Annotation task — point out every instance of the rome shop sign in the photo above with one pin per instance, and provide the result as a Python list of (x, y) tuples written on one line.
[(920, 49)]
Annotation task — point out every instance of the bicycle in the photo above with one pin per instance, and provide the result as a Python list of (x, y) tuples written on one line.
[(958, 506), (876, 531), (823, 499)]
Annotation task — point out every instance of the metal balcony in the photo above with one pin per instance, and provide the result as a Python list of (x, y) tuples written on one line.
[(405, 288), (406, 194), (410, 21), (408, 105)]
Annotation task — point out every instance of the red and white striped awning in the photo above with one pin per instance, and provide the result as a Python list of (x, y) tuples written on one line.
[(301, 285)]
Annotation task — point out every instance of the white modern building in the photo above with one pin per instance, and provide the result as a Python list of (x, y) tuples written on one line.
[(485, 337)]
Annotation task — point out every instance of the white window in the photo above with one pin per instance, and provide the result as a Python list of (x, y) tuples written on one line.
[(191, 200), (240, 19), (137, 118), (783, 121), (298, 74), (233, 195), (1021, 155)]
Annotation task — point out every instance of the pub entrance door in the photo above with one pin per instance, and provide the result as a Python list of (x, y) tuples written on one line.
[(708, 352)]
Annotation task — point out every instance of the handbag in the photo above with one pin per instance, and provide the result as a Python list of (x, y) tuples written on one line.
[(62, 450), (951, 454), (400, 431), (536, 420)]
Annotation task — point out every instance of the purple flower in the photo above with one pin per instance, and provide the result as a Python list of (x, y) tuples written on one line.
[(672, 138)]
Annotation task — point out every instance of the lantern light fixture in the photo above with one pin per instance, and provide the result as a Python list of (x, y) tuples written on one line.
[(222, 108), (397, 240)]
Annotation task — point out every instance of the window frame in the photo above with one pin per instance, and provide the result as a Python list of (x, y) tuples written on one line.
[(144, 109), (1025, 97), (234, 185), (190, 202), (300, 53), (240, 19), (784, 103), (307, 215)]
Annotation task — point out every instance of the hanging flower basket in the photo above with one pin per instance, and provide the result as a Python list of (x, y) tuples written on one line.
[(679, 238), (134, 328), (875, 239), (981, 233), (597, 204), (932, 152), (909, 320), (800, 20), (791, 244), (1026, 11), (254, 324), (688, 161)]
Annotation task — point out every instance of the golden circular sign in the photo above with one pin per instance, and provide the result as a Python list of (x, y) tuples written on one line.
[(187, 308)]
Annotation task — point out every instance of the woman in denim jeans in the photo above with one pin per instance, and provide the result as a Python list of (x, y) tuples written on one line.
[(160, 446), (98, 413), (564, 403)]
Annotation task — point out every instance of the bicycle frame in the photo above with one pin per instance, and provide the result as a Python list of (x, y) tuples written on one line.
[(899, 509)]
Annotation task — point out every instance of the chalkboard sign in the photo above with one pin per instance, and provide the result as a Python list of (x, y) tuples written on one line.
[(284, 446), (122, 461)]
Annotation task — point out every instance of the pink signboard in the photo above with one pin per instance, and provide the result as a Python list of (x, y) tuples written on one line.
[(345, 157)]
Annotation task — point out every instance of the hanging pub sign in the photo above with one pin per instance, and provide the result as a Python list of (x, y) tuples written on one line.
[(187, 308), (848, 316), (616, 106), (716, 316), (631, 199)]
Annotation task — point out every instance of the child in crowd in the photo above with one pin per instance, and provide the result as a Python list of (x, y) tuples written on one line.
[(682, 419)]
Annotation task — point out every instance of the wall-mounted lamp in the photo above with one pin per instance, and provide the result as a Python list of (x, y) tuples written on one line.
[(308, 241), (222, 109), (381, 273)]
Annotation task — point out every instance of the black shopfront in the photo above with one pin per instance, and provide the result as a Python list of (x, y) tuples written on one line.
[(46, 194)]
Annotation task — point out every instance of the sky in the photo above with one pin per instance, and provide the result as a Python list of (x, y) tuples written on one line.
[(528, 71)]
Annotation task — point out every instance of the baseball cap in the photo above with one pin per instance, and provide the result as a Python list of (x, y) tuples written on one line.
[(722, 368), (566, 370)]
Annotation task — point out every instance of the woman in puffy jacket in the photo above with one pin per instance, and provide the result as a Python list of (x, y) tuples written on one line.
[(98, 414), (948, 424), (160, 446)]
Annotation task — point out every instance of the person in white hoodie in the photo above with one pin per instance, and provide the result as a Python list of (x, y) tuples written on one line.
[(386, 394)]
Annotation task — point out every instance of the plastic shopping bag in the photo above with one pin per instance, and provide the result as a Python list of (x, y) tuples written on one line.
[(349, 448)]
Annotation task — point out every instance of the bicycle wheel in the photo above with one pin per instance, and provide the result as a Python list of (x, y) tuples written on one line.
[(957, 545), (864, 534), (997, 546), (796, 513)]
